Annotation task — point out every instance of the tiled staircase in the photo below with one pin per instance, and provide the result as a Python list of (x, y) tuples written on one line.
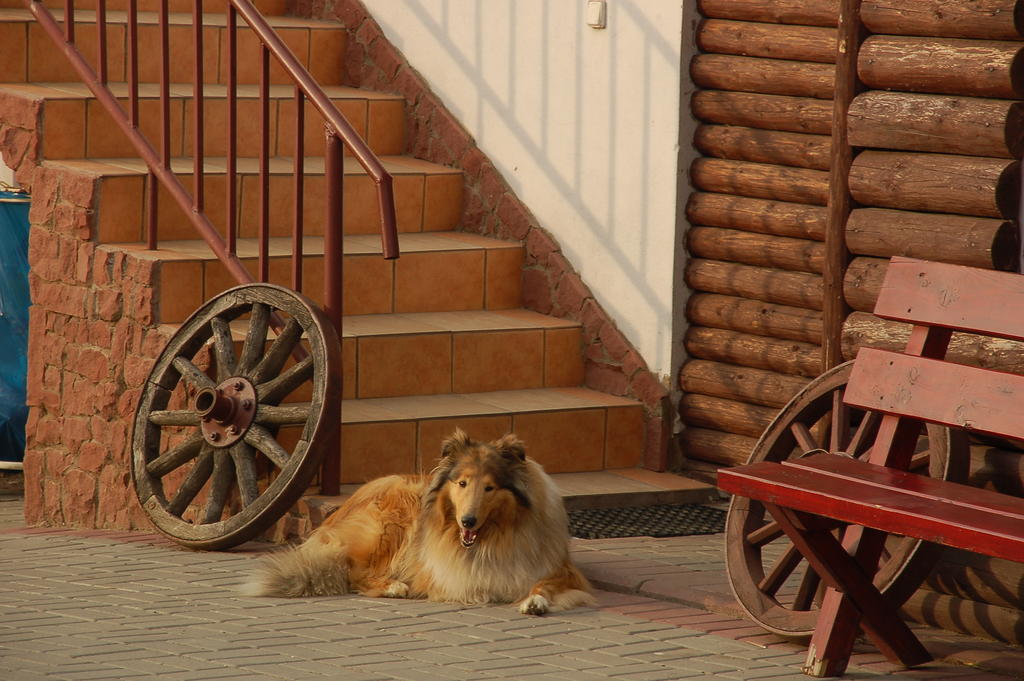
[(434, 340)]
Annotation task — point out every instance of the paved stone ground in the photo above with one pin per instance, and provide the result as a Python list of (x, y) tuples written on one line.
[(96, 605)]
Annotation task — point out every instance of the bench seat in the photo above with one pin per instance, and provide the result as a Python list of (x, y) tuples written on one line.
[(883, 498)]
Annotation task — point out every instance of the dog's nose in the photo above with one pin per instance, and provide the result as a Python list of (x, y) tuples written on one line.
[(468, 521)]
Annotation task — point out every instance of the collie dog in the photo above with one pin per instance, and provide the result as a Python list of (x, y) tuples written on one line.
[(486, 526)]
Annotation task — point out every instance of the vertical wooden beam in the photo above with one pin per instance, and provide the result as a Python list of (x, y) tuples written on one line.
[(835, 310), (838, 621)]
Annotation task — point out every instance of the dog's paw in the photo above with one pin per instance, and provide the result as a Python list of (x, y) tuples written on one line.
[(534, 605), (396, 590)]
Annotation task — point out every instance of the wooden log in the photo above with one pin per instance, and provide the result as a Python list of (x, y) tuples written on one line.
[(759, 352), (761, 283), (978, 578), (863, 281), (767, 76), (939, 183), (767, 388), (763, 146), (949, 66), (754, 317), (804, 12), (863, 329), (976, 242), (714, 446), (774, 41), (986, 19), (953, 125), (966, 616), (780, 218), (770, 112), (750, 248), (739, 418), (760, 180)]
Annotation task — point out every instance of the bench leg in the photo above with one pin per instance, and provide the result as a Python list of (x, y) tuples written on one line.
[(858, 601)]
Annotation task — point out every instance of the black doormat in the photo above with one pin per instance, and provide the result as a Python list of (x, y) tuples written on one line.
[(646, 521)]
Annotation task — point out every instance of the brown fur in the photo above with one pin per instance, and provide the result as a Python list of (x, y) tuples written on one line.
[(487, 526)]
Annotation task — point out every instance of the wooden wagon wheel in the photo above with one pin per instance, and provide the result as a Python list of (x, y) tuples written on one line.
[(768, 576), (216, 457)]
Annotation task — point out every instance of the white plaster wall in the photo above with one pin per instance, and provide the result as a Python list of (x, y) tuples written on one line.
[(583, 123)]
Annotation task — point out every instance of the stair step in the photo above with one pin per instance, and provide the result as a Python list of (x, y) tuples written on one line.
[(28, 54), (428, 197), (77, 125), (600, 489), (464, 271), (565, 429), (458, 352)]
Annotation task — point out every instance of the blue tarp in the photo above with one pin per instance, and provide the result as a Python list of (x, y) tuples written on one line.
[(14, 302)]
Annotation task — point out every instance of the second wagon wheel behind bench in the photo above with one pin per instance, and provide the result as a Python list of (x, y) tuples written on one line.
[(768, 576), (217, 460)]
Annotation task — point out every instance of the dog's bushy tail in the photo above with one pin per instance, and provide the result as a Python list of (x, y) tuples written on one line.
[(312, 569)]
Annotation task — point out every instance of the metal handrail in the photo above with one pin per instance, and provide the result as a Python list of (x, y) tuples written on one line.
[(339, 133)]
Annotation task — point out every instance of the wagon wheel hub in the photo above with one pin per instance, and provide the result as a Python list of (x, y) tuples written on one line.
[(226, 411)]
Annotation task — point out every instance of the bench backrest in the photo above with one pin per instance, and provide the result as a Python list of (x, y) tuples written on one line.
[(939, 298)]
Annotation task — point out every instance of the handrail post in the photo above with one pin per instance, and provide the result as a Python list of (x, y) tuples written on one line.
[(334, 178)]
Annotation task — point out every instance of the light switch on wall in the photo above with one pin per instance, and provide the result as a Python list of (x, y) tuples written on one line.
[(596, 13)]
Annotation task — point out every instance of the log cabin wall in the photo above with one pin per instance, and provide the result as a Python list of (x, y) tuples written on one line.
[(937, 131)]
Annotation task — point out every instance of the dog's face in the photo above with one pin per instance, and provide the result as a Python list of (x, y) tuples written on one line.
[(479, 484)]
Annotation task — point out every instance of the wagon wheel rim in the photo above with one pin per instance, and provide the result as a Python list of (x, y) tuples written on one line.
[(769, 578), (228, 474)]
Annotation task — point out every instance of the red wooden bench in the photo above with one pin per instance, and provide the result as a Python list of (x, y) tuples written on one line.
[(876, 496)]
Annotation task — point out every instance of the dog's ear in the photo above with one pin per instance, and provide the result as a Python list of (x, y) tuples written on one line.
[(454, 444), (439, 476), (511, 446)]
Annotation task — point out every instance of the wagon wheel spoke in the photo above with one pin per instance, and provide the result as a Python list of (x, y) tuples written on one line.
[(221, 481), (780, 572), (177, 417), (275, 390), (194, 482), (244, 457), (255, 339), (279, 352), (192, 374), (804, 439), (807, 593), (765, 534), (176, 457), (285, 415), (865, 434), (261, 438), (223, 348), (840, 423)]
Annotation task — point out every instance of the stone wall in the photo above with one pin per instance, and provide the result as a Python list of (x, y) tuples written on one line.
[(91, 343)]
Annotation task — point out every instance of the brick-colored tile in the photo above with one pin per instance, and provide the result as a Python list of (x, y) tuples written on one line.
[(64, 131), (386, 126), (361, 214), (348, 368), (439, 281), (625, 437), (327, 55), (418, 364), (442, 202), (563, 358), (119, 217), (504, 278), (14, 50), (408, 202), (369, 282), (370, 450), (433, 432), (507, 360), (564, 441), (181, 290)]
